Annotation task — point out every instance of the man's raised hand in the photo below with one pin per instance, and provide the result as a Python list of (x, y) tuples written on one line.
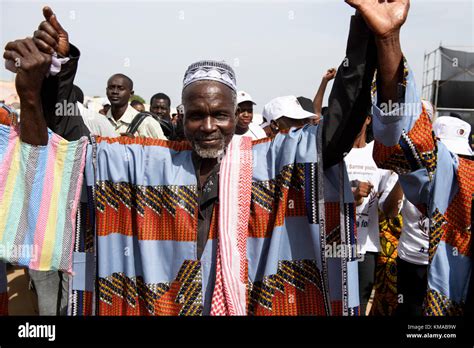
[(384, 17), (51, 36)]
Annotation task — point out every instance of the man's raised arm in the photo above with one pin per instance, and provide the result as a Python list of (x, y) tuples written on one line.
[(402, 130), (349, 101), (397, 106), (58, 92), (41, 173), (318, 98), (385, 18)]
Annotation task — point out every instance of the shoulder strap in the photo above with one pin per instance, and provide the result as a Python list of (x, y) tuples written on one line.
[(136, 122)]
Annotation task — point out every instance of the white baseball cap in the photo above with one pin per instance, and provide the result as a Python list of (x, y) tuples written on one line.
[(454, 133), (288, 106), (243, 96)]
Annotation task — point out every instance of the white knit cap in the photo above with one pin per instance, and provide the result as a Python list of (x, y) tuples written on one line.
[(210, 70)]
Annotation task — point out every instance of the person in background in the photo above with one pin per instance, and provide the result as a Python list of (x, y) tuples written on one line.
[(137, 105), (318, 98), (160, 105), (121, 113), (454, 133), (413, 246), (412, 259), (245, 126), (283, 113), (119, 91), (268, 127), (370, 186), (308, 105)]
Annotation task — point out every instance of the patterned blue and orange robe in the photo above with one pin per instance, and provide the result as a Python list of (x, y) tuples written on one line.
[(440, 184), (146, 204)]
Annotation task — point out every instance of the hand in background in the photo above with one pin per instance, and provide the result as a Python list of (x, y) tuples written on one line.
[(330, 74), (361, 191)]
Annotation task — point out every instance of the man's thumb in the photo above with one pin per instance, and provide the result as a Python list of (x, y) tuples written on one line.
[(52, 19), (47, 12)]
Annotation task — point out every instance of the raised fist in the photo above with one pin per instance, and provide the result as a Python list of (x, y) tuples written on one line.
[(31, 66), (330, 74)]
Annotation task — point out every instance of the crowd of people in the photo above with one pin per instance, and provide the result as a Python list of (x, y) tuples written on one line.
[(208, 212)]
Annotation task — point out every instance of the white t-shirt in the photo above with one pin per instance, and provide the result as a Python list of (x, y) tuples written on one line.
[(255, 131), (361, 166), (414, 240)]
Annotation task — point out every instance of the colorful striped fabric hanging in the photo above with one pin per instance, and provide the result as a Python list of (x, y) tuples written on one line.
[(39, 193)]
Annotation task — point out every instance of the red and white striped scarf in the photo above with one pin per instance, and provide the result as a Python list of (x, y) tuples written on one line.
[(235, 186)]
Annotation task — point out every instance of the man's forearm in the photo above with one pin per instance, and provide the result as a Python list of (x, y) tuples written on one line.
[(33, 129), (389, 55)]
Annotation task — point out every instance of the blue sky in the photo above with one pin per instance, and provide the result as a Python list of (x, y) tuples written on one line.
[(276, 47)]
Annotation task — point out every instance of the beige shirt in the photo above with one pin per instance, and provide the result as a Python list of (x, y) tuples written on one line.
[(149, 128)]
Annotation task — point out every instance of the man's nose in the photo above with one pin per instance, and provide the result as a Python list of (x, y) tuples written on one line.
[(208, 125)]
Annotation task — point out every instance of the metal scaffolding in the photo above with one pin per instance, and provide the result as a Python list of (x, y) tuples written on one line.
[(432, 76)]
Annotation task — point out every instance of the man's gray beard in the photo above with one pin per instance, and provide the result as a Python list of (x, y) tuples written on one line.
[(210, 153)]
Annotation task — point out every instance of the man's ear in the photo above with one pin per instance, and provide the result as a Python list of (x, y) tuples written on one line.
[(132, 92), (274, 125)]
